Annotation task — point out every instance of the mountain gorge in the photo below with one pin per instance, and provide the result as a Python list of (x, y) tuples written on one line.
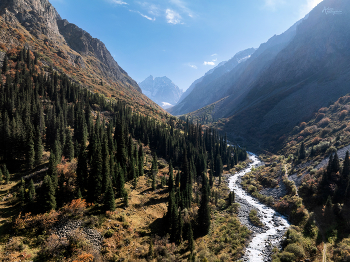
[(161, 90)]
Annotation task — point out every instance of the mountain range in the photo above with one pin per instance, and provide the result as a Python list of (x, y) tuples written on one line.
[(161, 90), (284, 82)]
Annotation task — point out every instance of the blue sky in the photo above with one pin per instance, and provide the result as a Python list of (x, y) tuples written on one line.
[(180, 39)]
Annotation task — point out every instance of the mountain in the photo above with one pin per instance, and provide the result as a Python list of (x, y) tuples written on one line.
[(161, 90), (66, 48), (286, 80), (190, 101)]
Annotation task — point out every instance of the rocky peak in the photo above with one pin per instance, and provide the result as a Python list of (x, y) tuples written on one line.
[(41, 19)]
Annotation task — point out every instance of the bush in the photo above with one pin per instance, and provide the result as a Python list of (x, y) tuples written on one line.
[(287, 257), (296, 249), (109, 233)]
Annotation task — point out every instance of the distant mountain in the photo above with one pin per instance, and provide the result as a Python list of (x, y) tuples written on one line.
[(190, 102), (287, 79), (161, 90)]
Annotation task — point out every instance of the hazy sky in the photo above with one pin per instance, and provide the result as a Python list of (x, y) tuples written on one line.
[(180, 39)]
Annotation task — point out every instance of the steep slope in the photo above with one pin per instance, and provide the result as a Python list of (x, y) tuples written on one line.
[(161, 90), (67, 48), (211, 86), (309, 73)]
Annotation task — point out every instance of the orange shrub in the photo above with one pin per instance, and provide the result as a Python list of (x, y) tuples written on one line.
[(76, 208)]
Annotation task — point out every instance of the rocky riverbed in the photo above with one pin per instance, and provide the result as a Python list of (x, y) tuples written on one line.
[(263, 239)]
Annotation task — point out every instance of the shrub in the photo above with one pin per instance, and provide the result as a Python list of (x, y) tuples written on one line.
[(109, 233), (76, 208), (287, 257), (324, 122), (319, 117), (296, 249), (343, 114)]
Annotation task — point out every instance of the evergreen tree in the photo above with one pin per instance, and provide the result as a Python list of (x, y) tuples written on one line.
[(6, 174), (218, 167), (109, 202), (69, 146), (82, 168), (171, 177), (1, 176), (21, 193), (48, 199), (52, 169), (204, 210), (31, 192), (302, 152), (190, 238), (30, 153), (79, 195), (95, 177), (231, 198), (126, 198), (38, 146), (180, 229), (5, 65), (120, 181)]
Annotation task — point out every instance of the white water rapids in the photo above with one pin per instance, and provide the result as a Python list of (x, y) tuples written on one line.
[(275, 224)]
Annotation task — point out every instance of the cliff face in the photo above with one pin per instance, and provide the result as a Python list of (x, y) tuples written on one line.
[(43, 22)]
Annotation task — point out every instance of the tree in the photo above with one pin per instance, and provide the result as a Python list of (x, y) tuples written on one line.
[(49, 200), (30, 153), (69, 146), (109, 202), (1, 176), (6, 174), (38, 146), (302, 152), (204, 210), (31, 192), (231, 198), (21, 193), (218, 167), (190, 238), (171, 177), (5, 65)]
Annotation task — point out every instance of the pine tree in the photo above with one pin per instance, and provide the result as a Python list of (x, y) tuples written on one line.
[(82, 168), (204, 210), (171, 177), (95, 177), (52, 169), (231, 198), (126, 198), (1, 176), (30, 153), (79, 195), (218, 167), (180, 229), (5, 65), (302, 152), (38, 146), (190, 238), (49, 200), (21, 193), (120, 181), (31, 192), (6, 174), (69, 146), (109, 202)]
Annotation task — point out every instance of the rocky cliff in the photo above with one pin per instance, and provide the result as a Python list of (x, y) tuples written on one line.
[(43, 22)]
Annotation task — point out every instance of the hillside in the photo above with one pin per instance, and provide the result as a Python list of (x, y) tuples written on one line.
[(67, 48), (287, 79), (212, 86)]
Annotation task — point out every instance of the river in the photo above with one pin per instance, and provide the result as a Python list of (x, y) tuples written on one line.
[(263, 239)]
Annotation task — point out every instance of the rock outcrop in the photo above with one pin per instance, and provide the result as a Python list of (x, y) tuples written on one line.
[(43, 22)]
